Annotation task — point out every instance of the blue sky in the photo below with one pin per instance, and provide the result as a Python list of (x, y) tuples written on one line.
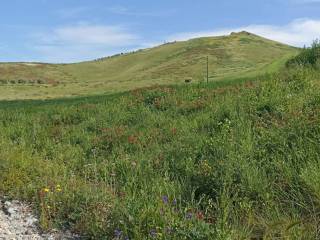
[(77, 30)]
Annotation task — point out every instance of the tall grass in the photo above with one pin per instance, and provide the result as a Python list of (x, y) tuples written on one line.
[(197, 162)]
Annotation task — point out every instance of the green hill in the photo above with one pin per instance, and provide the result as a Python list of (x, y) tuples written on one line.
[(239, 54)]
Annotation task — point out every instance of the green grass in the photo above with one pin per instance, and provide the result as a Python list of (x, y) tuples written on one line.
[(231, 56), (229, 160)]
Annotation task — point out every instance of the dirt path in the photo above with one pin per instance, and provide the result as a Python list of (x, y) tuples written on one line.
[(18, 223)]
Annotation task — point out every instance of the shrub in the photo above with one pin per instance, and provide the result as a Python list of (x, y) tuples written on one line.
[(307, 57)]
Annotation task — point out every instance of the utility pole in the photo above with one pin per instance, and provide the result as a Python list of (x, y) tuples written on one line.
[(207, 69)]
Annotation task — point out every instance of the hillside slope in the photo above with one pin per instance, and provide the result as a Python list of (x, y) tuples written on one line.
[(239, 54), (170, 163)]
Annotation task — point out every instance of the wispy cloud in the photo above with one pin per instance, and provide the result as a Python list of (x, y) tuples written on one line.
[(297, 33), (73, 12), (121, 10), (93, 11), (81, 42), (3, 48), (305, 1), (70, 53), (92, 34)]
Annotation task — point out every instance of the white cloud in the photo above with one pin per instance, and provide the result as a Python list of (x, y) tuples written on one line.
[(72, 12), (305, 1), (90, 34), (3, 49), (70, 53), (83, 42), (121, 10), (297, 33), (2, 46)]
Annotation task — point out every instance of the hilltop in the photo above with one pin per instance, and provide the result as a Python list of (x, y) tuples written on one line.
[(239, 54)]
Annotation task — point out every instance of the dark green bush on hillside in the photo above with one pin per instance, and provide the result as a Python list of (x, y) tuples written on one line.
[(308, 56)]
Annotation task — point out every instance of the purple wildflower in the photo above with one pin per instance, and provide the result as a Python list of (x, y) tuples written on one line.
[(174, 202), (117, 233), (189, 215), (165, 199), (153, 233)]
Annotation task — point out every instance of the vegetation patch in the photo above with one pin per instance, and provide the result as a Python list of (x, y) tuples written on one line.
[(200, 161)]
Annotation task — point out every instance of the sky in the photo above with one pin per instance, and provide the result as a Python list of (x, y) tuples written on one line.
[(63, 31)]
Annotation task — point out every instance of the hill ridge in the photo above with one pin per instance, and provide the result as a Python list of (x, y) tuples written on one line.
[(238, 54)]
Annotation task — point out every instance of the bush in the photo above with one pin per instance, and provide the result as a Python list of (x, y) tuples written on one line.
[(308, 56)]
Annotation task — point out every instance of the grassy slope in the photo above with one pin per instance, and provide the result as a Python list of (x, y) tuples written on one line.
[(239, 54), (242, 161)]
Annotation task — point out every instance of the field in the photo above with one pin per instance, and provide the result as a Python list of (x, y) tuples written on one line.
[(240, 54), (225, 160), (155, 158)]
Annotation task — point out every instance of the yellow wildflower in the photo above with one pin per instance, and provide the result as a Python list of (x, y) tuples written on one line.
[(58, 188), (205, 168)]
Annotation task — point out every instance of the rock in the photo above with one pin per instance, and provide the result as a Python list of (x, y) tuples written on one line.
[(11, 211), (31, 221), (17, 222)]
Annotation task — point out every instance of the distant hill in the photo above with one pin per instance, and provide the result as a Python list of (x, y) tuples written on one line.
[(237, 55)]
